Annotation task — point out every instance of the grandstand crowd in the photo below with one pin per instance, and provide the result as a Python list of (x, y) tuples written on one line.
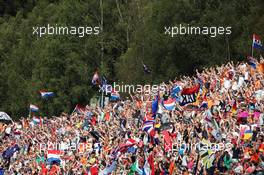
[(210, 123)]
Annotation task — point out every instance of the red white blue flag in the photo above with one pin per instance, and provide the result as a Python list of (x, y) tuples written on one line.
[(33, 108), (257, 43)]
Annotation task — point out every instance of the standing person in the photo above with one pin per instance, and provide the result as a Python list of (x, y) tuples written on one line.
[(236, 150)]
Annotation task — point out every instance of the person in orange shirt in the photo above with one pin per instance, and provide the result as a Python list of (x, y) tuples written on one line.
[(83, 161), (257, 84), (260, 68), (107, 116), (255, 157), (81, 147)]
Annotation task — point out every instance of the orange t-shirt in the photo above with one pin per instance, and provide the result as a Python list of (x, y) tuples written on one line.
[(261, 68), (255, 158), (83, 161), (107, 116), (81, 148), (261, 148), (139, 103), (258, 84)]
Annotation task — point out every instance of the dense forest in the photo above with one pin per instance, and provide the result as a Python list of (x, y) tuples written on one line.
[(132, 33)]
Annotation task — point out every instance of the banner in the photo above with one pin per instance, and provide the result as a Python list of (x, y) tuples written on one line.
[(188, 95)]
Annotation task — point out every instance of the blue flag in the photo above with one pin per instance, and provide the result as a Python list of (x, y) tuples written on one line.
[(175, 90), (155, 105), (9, 152)]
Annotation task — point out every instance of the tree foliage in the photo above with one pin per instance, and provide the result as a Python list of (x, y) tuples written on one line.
[(132, 33)]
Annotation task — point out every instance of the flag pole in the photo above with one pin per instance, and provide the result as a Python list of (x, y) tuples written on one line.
[(102, 99), (252, 48), (228, 49), (29, 112), (252, 51)]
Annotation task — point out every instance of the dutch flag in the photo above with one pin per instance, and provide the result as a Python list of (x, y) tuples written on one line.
[(256, 42), (169, 104), (53, 156), (115, 95), (33, 108), (45, 94)]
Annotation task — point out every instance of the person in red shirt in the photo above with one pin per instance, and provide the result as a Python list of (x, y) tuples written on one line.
[(54, 170), (107, 116), (44, 170)]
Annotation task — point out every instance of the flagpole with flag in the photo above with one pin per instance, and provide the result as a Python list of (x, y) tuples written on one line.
[(256, 43), (32, 108), (252, 47)]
